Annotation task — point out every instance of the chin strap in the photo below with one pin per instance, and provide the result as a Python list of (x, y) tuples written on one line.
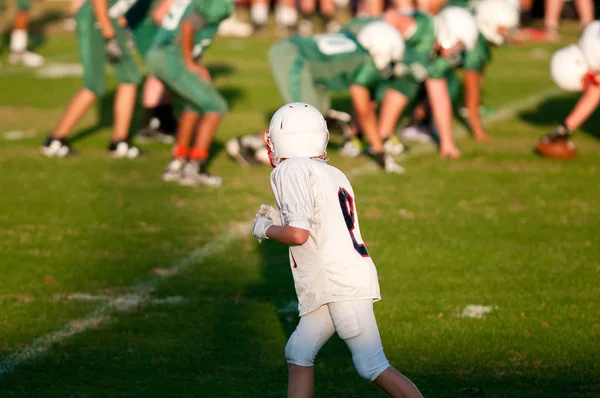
[(590, 79)]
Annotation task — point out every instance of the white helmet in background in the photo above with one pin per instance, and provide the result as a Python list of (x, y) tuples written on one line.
[(568, 68), (297, 130), (455, 25), (590, 45), (383, 41), (496, 19), (515, 4)]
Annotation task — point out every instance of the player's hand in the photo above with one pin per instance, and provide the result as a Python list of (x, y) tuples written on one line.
[(449, 151), (560, 132), (261, 224), (113, 49), (202, 71), (269, 212)]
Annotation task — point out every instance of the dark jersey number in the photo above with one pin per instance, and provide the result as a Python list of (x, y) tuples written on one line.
[(347, 205)]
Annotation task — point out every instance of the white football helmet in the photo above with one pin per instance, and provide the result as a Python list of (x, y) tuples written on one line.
[(496, 19), (383, 41), (455, 25), (568, 68), (590, 45), (297, 130)]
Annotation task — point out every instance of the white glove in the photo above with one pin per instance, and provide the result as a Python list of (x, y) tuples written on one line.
[(261, 224), (269, 212)]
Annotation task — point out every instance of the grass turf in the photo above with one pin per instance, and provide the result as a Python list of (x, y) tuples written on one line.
[(499, 227)]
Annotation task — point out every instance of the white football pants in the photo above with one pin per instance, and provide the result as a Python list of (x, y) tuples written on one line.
[(355, 323)]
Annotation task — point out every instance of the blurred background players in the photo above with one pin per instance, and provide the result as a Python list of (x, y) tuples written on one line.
[(576, 68), (305, 69), (101, 38), (19, 38)]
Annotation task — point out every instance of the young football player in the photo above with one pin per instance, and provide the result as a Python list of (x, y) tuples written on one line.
[(305, 68), (101, 38), (335, 279), (144, 18), (188, 28), (19, 37), (433, 45), (577, 68)]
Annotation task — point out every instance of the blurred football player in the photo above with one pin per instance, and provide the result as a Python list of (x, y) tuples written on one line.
[(576, 68), (186, 31), (306, 68), (335, 278), (496, 20), (19, 55), (144, 18), (433, 45), (101, 39)]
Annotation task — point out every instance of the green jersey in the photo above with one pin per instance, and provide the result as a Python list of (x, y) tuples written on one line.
[(479, 57), (205, 15), (337, 61)]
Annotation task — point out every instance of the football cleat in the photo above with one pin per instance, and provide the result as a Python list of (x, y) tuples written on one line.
[(174, 170), (27, 59), (194, 173), (416, 134), (150, 133), (57, 148), (233, 27), (393, 146), (388, 163), (240, 152), (351, 148), (123, 149)]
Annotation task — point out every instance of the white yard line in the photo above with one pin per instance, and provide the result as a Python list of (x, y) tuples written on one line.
[(140, 293)]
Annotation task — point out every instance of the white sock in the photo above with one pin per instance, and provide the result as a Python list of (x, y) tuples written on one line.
[(286, 16), (18, 41), (259, 13)]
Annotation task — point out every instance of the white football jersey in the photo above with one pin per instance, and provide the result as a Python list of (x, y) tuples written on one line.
[(333, 264)]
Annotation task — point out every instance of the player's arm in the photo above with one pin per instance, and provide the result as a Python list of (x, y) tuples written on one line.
[(288, 235), (189, 26), (161, 11), (587, 104), (473, 80), (101, 12), (437, 90), (365, 113)]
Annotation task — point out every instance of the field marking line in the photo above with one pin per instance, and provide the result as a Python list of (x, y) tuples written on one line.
[(140, 293)]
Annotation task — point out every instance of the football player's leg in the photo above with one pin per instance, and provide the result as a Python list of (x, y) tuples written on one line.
[(313, 331), (392, 106), (355, 323), (201, 97), (441, 106), (19, 38), (91, 51), (158, 119), (286, 15), (128, 76), (585, 8)]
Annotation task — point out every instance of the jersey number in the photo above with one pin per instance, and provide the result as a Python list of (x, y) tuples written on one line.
[(347, 205), (172, 19), (332, 44)]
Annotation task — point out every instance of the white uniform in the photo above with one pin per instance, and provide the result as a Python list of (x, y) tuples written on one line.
[(333, 265)]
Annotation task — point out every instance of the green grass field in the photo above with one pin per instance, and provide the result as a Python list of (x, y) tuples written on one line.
[(115, 284)]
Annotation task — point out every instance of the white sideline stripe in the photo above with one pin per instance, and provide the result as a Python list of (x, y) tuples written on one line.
[(140, 292), (139, 296)]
